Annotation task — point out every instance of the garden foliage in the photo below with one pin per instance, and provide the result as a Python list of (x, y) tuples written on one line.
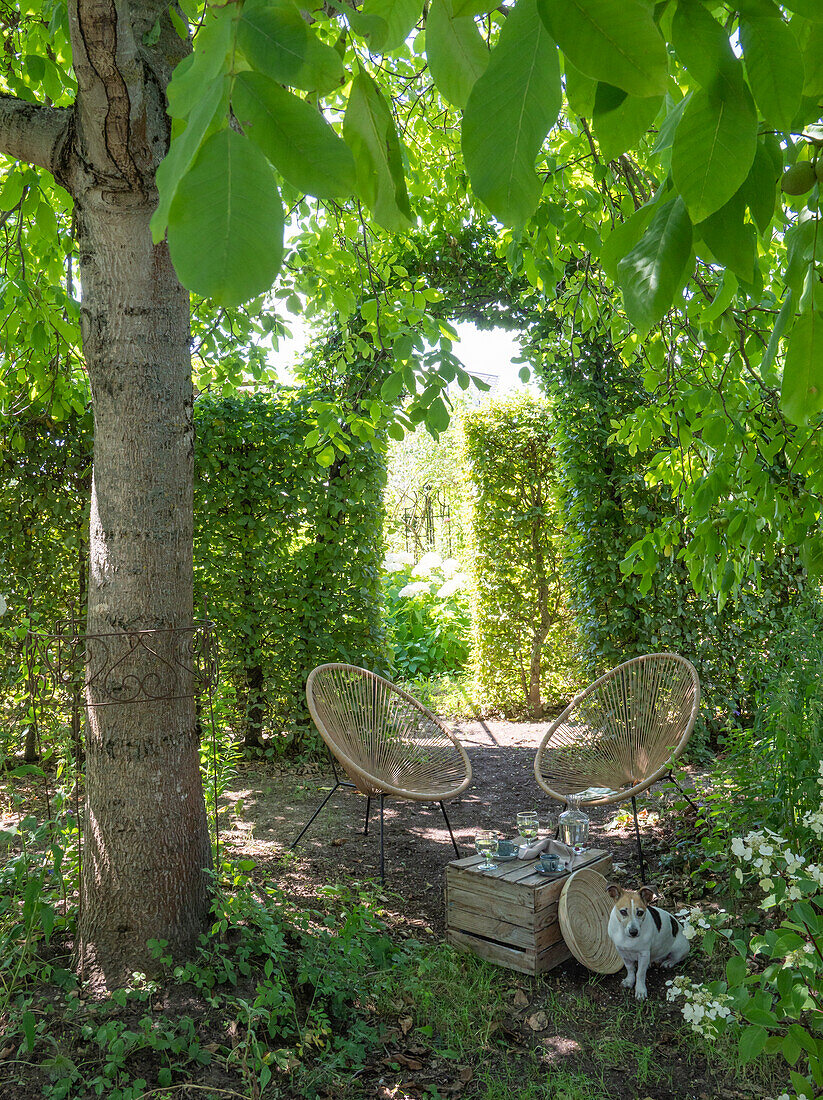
[(287, 552), (521, 634), (427, 615), (615, 511)]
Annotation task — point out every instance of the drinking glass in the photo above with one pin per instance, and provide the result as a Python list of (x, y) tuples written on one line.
[(527, 826), (485, 841)]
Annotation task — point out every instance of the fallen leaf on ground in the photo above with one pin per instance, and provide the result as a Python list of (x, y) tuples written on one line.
[(538, 1022), (409, 1063), (520, 999), (466, 1074), (406, 1024)]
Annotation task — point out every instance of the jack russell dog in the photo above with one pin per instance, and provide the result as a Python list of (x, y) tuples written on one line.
[(643, 934)]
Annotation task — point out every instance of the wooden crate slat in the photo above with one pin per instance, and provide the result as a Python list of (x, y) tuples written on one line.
[(485, 886), (460, 900), (481, 924), (511, 957)]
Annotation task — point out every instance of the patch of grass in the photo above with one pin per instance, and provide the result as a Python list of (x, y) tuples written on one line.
[(451, 995), (529, 1079)]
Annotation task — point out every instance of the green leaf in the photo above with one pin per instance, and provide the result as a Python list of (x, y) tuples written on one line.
[(751, 1042), (735, 970), (210, 58), (811, 9), (580, 90), (732, 240), (183, 149), (623, 238), (801, 397), (775, 67), (12, 191), (759, 1016), (455, 50), (28, 1023), (615, 41), (786, 311), (650, 274), (226, 222), (511, 108), (294, 136), (811, 555), (369, 131), (437, 416), (722, 300), (810, 40), (397, 16), (392, 387), (278, 42), (714, 148), (760, 189), (668, 126), (791, 1050), (620, 120), (703, 47)]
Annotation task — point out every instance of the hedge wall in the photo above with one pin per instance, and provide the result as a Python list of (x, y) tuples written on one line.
[(287, 553), (521, 637)]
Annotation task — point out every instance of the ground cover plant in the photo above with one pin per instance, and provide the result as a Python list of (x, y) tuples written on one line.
[(324, 990)]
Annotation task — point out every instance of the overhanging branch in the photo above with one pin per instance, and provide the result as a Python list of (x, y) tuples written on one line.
[(31, 132)]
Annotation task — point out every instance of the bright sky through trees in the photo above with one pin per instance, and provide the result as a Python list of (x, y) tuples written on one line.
[(483, 352)]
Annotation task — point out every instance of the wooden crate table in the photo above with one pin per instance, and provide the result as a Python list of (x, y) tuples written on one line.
[(509, 915)]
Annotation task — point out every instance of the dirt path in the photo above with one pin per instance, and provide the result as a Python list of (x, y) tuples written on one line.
[(264, 812)]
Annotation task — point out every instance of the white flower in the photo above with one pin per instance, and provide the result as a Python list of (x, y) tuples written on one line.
[(415, 588), (450, 587), (428, 562), (449, 567), (399, 557), (738, 847)]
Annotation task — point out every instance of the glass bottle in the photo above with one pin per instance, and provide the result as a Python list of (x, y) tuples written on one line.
[(574, 825)]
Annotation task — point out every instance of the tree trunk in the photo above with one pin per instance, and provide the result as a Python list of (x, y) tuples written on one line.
[(146, 837), (146, 840)]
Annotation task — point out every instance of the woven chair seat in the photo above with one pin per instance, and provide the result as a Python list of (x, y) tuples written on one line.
[(384, 739), (622, 733)]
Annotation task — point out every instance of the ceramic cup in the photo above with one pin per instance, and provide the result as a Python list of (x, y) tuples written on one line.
[(550, 862), (506, 848)]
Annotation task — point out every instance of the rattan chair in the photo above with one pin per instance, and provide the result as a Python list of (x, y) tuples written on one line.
[(622, 734), (386, 742)]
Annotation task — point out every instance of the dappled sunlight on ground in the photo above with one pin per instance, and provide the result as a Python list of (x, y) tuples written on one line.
[(265, 809)]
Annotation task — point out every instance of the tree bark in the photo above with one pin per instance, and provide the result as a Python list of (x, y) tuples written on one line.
[(146, 837)]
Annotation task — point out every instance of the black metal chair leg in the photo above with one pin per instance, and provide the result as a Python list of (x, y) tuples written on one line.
[(368, 808), (639, 845), (451, 834), (382, 864), (305, 828), (693, 805)]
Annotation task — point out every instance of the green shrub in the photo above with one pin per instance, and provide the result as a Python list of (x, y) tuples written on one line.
[(427, 615), (771, 994), (522, 639), (286, 552)]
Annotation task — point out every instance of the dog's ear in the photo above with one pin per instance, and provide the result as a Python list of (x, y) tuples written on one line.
[(648, 893), (613, 891)]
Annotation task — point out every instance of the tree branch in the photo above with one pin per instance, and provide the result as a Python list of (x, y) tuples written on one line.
[(31, 132)]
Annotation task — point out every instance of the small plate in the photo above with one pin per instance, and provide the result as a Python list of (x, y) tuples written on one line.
[(505, 859), (550, 874)]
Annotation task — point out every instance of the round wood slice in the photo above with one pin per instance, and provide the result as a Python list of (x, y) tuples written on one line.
[(584, 911)]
